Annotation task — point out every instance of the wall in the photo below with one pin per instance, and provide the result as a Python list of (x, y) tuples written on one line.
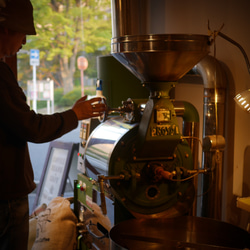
[(182, 16)]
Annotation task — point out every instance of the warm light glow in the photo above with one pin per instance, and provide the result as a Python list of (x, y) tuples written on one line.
[(243, 100)]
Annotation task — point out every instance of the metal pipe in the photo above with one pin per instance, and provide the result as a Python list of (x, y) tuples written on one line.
[(214, 79), (130, 17)]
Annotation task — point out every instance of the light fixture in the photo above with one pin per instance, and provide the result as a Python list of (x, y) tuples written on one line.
[(243, 98)]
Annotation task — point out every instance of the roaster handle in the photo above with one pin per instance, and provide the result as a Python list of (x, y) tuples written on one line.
[(101, 228)]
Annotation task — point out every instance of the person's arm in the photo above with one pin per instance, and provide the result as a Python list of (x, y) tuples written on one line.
[(17, 118)]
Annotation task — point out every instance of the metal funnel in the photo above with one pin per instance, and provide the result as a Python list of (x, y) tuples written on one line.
[(160, 58)]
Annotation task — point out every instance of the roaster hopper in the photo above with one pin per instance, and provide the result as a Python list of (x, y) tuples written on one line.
[(160, 58)]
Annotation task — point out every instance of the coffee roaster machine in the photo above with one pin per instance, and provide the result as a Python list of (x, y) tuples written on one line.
[(138, 184)]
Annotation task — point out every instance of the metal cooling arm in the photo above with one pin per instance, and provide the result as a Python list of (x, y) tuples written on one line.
[(101, 179), (182, 171)]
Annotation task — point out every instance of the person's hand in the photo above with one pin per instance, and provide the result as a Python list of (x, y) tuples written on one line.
[(85, 109)]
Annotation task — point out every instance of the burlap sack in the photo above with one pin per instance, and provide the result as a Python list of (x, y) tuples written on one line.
[(56, 227), (32, 232)]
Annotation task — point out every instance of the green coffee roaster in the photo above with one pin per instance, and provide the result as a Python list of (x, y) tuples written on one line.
[(140, 162), (138, 154)]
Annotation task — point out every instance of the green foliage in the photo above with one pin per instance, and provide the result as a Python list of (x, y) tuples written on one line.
[(58, 94), (67, 29), (70, 98), (41, 104)]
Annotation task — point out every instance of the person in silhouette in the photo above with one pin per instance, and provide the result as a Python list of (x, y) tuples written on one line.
[(19, 125)]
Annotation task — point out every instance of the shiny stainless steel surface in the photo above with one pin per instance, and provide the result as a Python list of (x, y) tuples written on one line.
[(209, 202), (130, 17), (151, 56), (101, 144), (178, 233), (162, 57)]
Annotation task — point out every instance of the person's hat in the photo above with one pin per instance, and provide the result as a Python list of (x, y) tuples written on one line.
[(17, 15)]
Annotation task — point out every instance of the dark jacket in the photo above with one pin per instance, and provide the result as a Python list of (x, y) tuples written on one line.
[(18, 125)]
